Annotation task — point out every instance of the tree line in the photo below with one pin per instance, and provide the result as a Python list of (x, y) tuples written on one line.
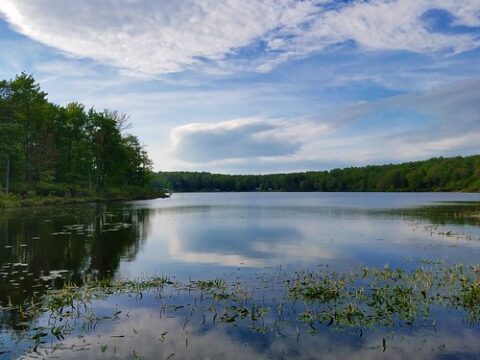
[(47, 149), (437, 174)]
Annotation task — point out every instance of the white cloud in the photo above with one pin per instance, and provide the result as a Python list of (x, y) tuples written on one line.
[(452, 127), (146, 36), (241, 138), (142, 331), (448, 124), (154, 37)]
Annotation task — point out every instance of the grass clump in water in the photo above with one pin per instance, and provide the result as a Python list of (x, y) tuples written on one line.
[(368, 298)]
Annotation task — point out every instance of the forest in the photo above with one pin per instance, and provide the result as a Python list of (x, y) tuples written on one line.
[(70, 152), (65, 151), (437, 174)]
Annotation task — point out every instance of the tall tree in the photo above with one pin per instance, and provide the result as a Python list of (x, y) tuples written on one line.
[(53, 149), (9, 131), (29, 104)]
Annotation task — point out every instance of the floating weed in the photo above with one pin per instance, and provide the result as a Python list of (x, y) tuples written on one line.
[(469, 298), (208, 285), (357, 300), (385, 297)]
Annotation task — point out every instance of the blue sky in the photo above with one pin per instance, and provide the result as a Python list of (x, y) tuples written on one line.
[(258, 86)]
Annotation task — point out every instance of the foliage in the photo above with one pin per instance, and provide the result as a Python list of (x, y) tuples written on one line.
[(437, 174), (64, 151)]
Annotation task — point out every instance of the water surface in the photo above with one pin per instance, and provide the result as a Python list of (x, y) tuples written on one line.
[(251, 238)]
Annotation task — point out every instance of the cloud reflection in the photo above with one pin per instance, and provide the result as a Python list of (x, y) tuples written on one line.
[(145, 334)]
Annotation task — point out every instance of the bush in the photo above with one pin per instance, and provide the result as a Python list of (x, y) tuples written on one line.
[(8, 201), (49, 189)]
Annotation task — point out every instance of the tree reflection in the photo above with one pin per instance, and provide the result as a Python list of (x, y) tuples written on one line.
[(44, 248)]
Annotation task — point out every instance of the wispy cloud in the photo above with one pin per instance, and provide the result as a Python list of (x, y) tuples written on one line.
[(308, 84), (170, 36), (441, 122)]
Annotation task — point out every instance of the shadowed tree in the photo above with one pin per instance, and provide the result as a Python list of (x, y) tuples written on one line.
[(53, 150), (9, 131)]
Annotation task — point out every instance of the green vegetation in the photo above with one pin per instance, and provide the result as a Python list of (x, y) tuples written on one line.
[(67, 152), (438, 174), (442, 213), (356, 301)]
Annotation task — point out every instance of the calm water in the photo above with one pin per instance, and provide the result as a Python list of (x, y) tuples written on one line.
[(244, 237)]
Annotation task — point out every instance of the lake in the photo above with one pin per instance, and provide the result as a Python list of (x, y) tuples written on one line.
[(244, 275)]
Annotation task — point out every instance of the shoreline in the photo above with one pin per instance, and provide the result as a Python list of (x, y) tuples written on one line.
[(15, 202)]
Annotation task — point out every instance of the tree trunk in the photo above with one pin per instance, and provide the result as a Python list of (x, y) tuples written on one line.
[(6, 231), (27, 159), (7, 176)]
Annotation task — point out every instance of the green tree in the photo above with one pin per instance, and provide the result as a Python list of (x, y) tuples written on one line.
[(9, 131)]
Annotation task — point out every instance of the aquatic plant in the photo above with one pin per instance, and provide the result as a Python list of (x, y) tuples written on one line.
[(368, 298)]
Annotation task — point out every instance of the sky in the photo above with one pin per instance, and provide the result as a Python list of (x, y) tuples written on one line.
[(262, 86)]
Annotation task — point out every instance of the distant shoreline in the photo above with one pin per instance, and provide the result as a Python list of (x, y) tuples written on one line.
[(326, 192), (39, 201), (455, 174)]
